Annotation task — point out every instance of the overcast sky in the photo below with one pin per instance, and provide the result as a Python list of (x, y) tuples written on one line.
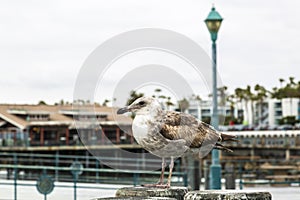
[(44, 43)]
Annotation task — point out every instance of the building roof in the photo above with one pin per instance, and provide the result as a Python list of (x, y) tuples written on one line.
[(22, 115)]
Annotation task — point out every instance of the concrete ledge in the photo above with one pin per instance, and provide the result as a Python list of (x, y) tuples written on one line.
[(156, 193), (181, 193), (135, 198), (227, 195)]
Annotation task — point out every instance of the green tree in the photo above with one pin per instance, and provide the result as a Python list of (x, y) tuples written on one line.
[(281, 80), (41, 102), (289, 120), (133, 96), (169, 103), (274, 93), (292, 80), (239, 96), (260, 96), (290, 90), (231, 100), (243, 97), (298, 89), (105, 102), (183, 104), (250, 98), (222, 92), (157, 91)]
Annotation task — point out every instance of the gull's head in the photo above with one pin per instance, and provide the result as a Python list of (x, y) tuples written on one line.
[(142, 105)]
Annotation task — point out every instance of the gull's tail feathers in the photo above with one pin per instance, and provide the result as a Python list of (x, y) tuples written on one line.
[(228, 137), (222, 147)]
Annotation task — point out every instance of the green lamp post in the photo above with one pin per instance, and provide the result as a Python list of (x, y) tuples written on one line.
[(213, 23)]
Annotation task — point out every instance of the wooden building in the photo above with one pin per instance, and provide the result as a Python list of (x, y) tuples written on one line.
[(49, 125)]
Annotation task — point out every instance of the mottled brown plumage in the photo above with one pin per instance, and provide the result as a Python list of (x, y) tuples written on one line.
[(185, 126), (171, 134)]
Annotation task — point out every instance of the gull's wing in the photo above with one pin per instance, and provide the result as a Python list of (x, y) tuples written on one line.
[(185, 126)]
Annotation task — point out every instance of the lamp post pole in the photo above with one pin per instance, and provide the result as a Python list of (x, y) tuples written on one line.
[(215, 167), (213, 22)]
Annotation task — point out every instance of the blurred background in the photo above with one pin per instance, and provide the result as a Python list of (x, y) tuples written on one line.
[(45, 43)]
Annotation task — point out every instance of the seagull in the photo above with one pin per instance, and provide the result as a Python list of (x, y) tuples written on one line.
[(170, 134)]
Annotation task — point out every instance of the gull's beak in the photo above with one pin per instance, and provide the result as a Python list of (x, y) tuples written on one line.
[(123, 110)]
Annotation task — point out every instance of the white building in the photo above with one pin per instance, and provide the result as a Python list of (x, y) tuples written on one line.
[(203, 109), (277, 109), (266, 113)]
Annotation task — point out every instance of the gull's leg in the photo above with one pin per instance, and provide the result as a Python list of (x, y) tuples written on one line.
[(169, 177), (170, 172), (161, 178), (163, 166)]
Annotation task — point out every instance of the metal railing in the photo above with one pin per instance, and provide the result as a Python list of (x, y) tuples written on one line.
[(88, 169), (48, 169)]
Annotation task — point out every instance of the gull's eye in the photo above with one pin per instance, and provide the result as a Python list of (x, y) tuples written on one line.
[(141, 103)]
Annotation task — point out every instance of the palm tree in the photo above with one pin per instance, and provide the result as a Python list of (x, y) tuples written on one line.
[(161, 99), (61, 102), (183, 104), (246, 93), (274, 93), (261, 95), (157, 91), (292, 91), (231, 100), (245, 96), (169, 103), (298, 90), (198, 98), (105, 102), (223, 95), (281, 80), (292, 82), (133, 96), (239, 95), (251, 98)]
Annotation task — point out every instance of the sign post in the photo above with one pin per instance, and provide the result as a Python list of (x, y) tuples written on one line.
[(45, 185), (76, 169)]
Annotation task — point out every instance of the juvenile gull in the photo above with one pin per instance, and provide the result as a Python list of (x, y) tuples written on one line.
[(169, 134)]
